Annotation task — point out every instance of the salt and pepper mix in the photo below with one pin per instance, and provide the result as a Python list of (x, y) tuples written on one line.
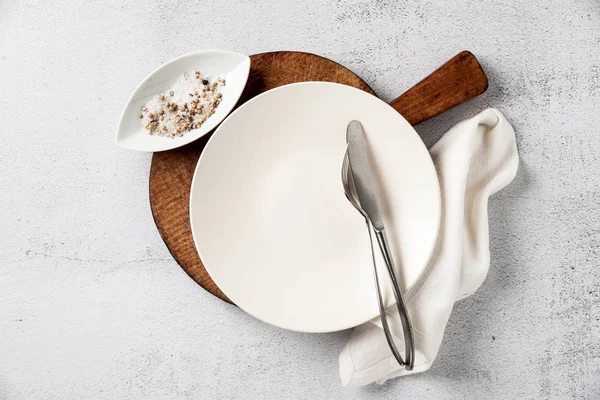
[(186, 106)]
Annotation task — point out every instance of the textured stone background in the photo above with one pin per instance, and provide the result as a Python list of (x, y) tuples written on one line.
[(93, 306)]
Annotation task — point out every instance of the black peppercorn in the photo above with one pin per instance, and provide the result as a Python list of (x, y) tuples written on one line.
[(204, 82)]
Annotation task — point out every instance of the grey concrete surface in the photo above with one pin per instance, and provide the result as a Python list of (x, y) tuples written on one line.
[(93, 307)]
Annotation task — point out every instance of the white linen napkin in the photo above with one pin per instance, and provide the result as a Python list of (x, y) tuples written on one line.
[(475, 159)]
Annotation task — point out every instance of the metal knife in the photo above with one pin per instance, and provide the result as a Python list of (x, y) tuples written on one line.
[(366, 191)]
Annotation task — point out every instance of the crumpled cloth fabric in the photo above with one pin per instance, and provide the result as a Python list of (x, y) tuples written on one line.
[(474, 160)]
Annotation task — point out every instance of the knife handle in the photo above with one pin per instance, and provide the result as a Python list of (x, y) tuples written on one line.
[(458, 80), (409, 344)]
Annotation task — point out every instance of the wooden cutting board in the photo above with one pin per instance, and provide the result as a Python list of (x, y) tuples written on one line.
[(455, 82)]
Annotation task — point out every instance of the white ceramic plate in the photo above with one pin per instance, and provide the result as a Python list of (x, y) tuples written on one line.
[(270, 219), (233, 67)]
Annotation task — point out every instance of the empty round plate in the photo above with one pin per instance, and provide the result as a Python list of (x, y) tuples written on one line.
[(269, 216)]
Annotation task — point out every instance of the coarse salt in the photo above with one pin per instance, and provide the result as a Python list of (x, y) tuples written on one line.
[(184, 106)]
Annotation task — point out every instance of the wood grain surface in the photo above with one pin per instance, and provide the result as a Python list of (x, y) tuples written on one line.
[(458, 80), (171, 172)]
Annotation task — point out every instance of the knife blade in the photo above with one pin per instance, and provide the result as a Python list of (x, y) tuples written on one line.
[(362, 173)]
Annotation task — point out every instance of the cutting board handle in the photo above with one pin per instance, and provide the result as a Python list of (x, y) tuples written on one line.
[(458, 80)]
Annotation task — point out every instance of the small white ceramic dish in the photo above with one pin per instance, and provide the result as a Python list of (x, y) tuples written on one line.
[(233, 67), (270, 219)]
